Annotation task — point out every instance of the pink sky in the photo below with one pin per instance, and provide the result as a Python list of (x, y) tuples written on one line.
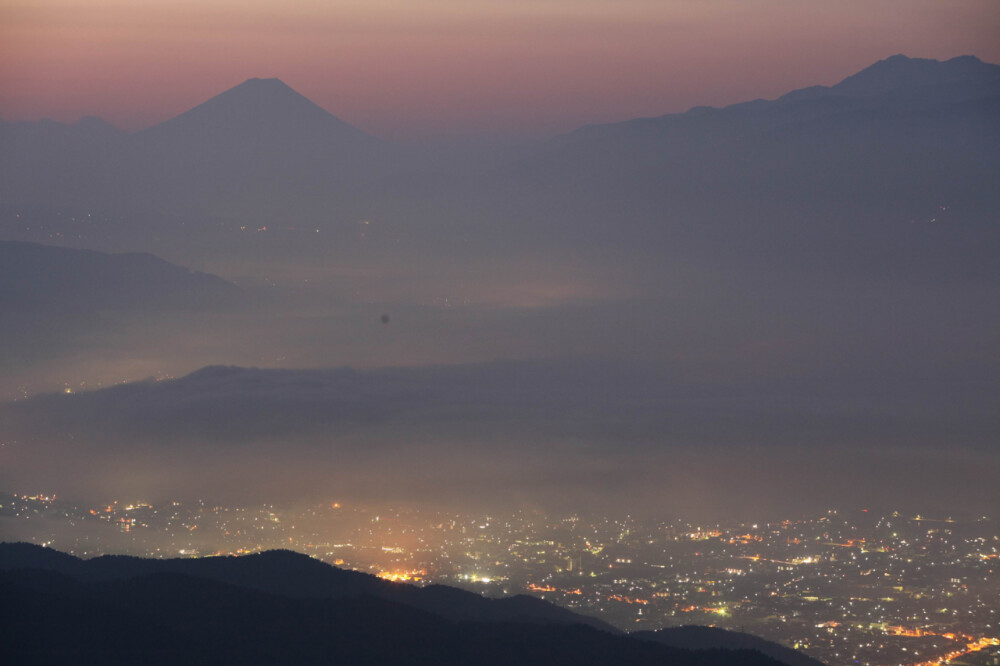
[(412, 68)]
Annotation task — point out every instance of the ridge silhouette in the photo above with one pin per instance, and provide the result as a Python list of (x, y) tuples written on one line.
[(57, 608)]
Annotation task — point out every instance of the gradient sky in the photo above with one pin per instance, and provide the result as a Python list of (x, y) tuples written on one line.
[(412, 68)]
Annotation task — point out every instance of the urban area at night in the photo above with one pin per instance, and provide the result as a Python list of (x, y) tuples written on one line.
[(845, 587)]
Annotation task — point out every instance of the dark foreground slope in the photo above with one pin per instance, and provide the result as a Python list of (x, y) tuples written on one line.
[(295, 575), (136, 616), (170, 619), (705, 638)]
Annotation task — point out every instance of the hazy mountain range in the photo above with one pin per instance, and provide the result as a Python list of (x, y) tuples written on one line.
[(57, 299), (568, 434), (42, 279), (260, 141), (895, 142), (683, 309)]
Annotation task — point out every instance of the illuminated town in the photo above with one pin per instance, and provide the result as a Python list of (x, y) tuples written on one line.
[(845, 587)]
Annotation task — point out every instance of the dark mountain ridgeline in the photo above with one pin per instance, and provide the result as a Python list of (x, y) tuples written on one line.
[(128, 612), (258, 150), (54, 280), (896, 83), (291, 574), (706, 638), (831, 171), (893, 143), (223, 408), (900, 73), (169, 619), (892, 171)]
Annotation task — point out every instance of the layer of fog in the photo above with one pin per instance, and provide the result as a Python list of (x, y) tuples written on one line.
[(557, 434), (804, 292)]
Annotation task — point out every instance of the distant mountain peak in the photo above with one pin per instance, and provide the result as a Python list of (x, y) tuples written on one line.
[(257, 107), (274, 85), (900, 71), (264, 95)]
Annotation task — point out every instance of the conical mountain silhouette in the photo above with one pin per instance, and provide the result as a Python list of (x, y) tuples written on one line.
[(258, 148), (261, 112)]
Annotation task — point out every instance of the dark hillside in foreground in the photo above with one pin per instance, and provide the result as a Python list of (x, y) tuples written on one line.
[(170, 618), (116, 610), (294, 575), (706, 638)]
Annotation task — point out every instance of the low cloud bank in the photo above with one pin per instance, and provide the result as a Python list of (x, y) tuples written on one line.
[(566, 433)]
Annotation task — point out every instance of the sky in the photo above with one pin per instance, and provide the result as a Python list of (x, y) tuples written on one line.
[(411, 69)]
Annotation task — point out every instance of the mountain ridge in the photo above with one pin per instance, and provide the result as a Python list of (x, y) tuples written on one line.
[(210, 602), (170, 618), (927, 139), (883, 77), (694, 637), (39, 278), (292, 574)]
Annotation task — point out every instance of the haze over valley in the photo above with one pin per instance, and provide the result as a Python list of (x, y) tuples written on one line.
[(780, 283), (759, 313)]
